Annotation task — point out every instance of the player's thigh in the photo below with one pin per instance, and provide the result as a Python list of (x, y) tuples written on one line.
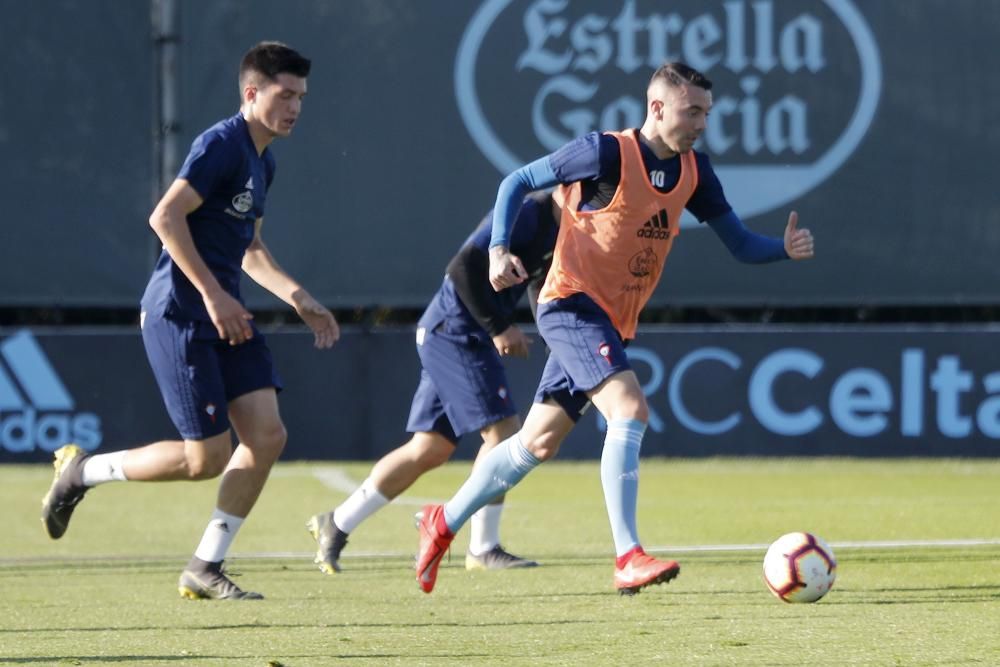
[(252, 386), (257, 422), (184, 357), (467, 378), (556, 387), (207, 458), (430, 449), (248, 367), (427, 411), (585, 348), (545, 427), (495, 433), (621, 397)]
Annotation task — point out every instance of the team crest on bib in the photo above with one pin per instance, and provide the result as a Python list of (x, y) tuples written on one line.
[(243, 202), (643, 263)]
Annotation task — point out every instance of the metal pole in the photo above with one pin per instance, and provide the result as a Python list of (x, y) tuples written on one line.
[(165, 19)]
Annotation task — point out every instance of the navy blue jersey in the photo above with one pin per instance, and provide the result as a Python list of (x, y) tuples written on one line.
[(595, 160), (224, 168), (533, 239)]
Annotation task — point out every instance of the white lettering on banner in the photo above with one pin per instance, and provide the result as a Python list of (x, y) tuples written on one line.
[(590, 50), (571, 60), (861, 401), (36, 410), (988, 414), (949, 380), (911, 391), (680, 410), (25, 431), (762, 403)]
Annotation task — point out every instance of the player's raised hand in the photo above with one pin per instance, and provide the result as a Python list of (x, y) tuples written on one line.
[(231, 319), (798, 242), (512, 342), (505, 269), (319, 319)]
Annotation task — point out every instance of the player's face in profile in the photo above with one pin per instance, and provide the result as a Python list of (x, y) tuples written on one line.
[(685, 113), (277, 104)]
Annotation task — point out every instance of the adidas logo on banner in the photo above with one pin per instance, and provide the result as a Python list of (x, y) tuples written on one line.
[(656, 227), (36, 410)]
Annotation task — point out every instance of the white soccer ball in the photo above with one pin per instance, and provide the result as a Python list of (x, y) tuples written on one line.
[(799, 567)]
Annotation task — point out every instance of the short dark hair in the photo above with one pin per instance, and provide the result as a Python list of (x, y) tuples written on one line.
[(269, 59), (678, 74)]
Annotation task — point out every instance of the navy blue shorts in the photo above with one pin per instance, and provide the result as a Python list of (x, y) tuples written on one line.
[(585, 349), (198, 373), (463, 385)]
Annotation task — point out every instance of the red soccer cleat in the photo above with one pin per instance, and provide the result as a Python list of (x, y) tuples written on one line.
[(636, 570), (435, 540)]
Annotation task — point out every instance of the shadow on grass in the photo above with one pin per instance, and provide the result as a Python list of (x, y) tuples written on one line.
[(59, 661), (298, 626)]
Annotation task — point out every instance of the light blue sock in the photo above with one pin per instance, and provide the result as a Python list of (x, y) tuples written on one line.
[(620, 479), (503, 467)]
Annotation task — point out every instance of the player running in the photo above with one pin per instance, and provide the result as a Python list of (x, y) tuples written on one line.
[(463, 388), (211, 363), (622, 195)]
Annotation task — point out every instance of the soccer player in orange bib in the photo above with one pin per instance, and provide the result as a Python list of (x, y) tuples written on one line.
[(622, 195)]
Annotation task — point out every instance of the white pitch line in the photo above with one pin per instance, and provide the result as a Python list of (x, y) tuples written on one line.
[(875, 544), (355, 554), (338, 480), (703, 548)]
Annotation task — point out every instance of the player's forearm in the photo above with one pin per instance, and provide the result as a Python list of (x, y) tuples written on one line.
[(260, 265), (175, 236), (744, 245), (469, 271)]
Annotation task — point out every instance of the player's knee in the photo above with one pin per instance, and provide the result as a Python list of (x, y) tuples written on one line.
[(639, 412), (274, 439), (208, 463), (631, 408), (543, 447), (497, 432)]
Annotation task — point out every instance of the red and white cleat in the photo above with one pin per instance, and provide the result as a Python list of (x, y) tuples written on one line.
[(636, 569), (435, 540)]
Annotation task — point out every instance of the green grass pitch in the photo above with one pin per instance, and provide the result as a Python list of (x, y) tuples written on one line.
[(918, 545)]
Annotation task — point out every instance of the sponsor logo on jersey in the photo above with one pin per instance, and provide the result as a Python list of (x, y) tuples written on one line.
[(243, 202), (656, 227), (642, 263)]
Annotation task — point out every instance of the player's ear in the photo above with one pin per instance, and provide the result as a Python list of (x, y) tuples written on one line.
[(249, 93), (656, 108)]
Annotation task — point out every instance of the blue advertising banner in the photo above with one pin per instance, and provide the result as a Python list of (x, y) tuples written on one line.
[(712, 391)]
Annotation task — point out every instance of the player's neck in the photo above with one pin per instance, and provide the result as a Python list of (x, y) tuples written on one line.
[(260, 135), (655, 144)]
